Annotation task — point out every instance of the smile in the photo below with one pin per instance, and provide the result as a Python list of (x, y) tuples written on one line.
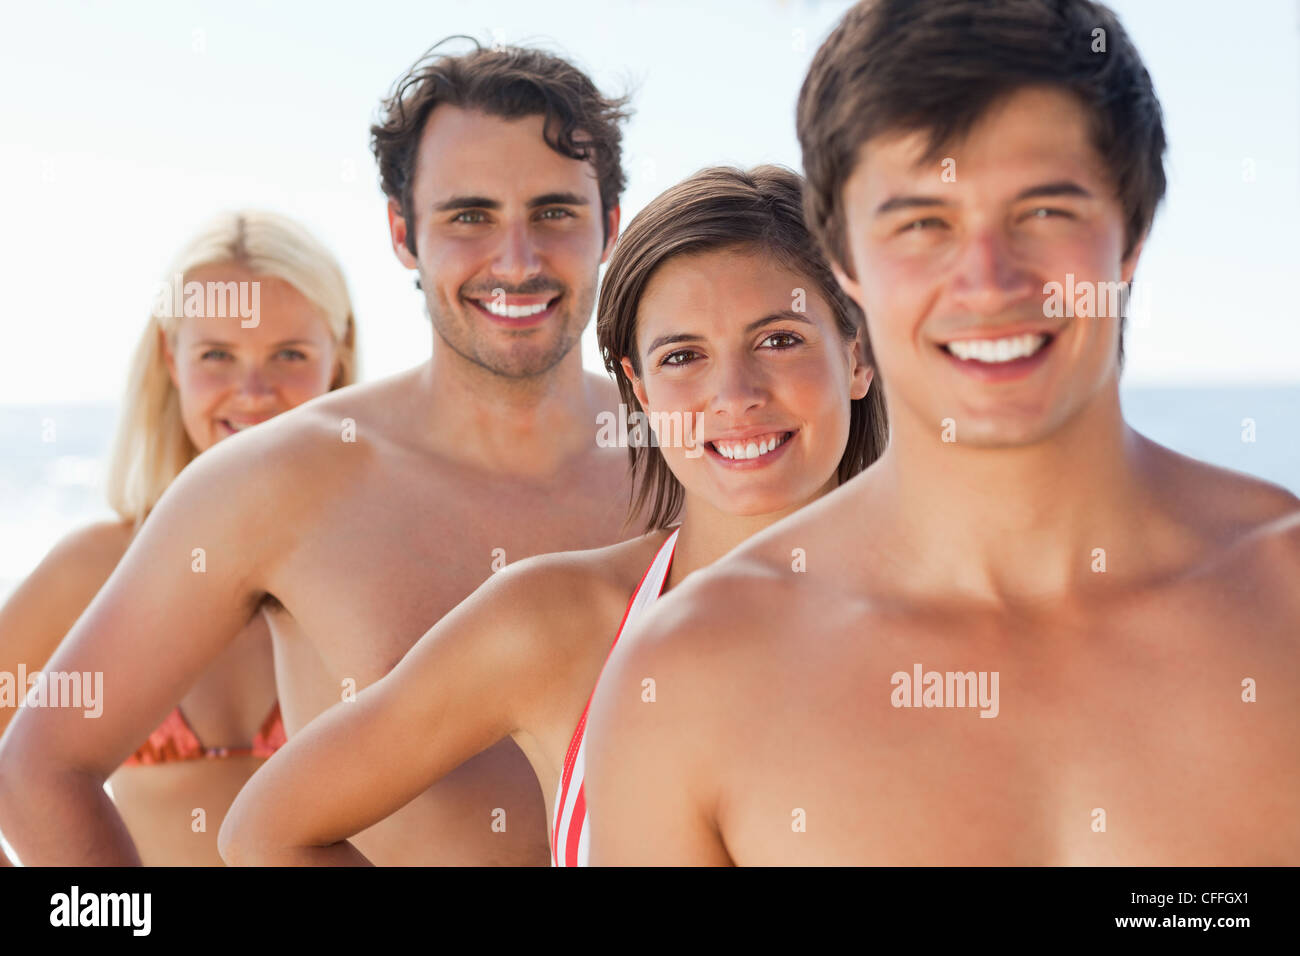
[(513, 311), (997, 351), (745, 449), (238, 426), (1002, 360)]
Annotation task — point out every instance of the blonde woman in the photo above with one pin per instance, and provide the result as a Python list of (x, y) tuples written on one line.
[(252, 318)]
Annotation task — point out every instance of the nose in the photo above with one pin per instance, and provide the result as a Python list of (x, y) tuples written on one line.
[(253, 382), (516, 257), (988, 278), (740, 389)]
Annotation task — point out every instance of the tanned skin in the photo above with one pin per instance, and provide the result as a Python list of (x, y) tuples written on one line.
[(359, 519), (520, 656), (774, 739)]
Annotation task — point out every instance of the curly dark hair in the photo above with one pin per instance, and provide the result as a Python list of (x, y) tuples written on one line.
[(509, 82)]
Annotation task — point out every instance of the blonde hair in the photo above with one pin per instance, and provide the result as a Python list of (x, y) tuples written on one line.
[(152, 445)]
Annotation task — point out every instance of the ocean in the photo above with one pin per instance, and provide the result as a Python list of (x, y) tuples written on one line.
[(52, 457)]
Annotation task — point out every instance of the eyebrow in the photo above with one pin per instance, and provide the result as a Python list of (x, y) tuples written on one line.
[(222, 343), (1062, 187), (483, 202), (782, 316)]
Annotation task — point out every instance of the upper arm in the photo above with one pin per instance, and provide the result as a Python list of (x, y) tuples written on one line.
[(186, 586), (42, 609), (455, 693), (650, 794)]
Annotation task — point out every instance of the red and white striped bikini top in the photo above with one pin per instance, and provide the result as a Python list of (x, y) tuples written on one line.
[(569, 838)]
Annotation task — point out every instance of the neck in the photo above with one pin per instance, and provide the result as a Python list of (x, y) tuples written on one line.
[(1001, 524), (530, 427), (706, 533)]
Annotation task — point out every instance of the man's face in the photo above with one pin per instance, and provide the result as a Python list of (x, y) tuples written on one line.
[(952, 274), (508, 236)]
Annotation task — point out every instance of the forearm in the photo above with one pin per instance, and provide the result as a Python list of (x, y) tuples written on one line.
[(53, 818), (238, 851), (260, 829)]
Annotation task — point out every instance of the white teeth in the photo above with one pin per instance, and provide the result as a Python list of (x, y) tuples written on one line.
[(748, 449), (512, 311), (994, 351), (237, 427)]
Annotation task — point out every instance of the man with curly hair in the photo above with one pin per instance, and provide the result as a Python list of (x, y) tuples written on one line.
[(393, 500)]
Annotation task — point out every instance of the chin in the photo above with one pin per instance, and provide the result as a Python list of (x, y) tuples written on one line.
[(754, 507), (1003, 431)]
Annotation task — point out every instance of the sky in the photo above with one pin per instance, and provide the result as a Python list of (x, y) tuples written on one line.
[(125, 126)]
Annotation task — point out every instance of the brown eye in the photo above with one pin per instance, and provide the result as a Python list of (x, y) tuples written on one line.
[(920, 225), (791, 339), (668, 359)]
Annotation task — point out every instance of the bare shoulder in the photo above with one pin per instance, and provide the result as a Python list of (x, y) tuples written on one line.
[(1267, 556), (285, 466), (93, 549), (40, 611), (1245, 518), (721, 630), (574, 593), (544, 624), (82, 561), (379, 407)]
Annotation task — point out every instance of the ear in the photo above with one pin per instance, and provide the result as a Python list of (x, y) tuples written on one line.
[(850, 286), (1129, 265), (612, 221), (168, 358), (637, 388), (862, 374), (397, 226), (348, 342)]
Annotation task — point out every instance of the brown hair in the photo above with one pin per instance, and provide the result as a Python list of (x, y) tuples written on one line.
[(938, 66), (718, 208), (509, 82)]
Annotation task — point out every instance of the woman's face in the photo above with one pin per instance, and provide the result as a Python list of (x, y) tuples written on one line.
[(230, 377), (750, 353)]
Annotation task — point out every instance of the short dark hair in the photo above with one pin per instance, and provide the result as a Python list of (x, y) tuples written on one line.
[(721, 208), (937, 67), (509, 82)]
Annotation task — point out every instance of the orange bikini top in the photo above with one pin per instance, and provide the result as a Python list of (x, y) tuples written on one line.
[(176, 740)]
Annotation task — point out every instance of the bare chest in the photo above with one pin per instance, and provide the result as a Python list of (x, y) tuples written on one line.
[(1160, 732), (382, 564)]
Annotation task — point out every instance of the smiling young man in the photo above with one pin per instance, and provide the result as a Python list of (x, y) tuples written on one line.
[(359, 520), (1124, 617)]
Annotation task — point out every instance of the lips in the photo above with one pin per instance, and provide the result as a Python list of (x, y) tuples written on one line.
[(234, 426), (997, 351), (750, 451), (517, 311), (1006, 356), (754, 446)]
